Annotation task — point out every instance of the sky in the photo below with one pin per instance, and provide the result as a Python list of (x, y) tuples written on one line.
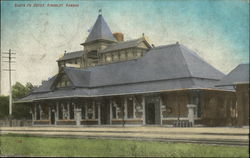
[(217, 30)]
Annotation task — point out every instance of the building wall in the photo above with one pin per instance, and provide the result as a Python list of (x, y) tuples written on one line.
[(242, 95), (218, 108)]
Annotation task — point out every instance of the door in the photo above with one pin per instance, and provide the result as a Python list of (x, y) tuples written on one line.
[(105, 113), (52, 117), (152, 109), (150, 113)]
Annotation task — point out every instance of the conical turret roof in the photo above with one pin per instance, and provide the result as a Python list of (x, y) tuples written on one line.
[(100, 31)]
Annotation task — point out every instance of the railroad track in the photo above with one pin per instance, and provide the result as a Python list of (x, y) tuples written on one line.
[(121, 135)]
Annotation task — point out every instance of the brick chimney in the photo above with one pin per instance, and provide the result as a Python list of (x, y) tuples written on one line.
[(118, 36)]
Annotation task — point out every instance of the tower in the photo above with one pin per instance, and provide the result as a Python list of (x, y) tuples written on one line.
[(99, 38)]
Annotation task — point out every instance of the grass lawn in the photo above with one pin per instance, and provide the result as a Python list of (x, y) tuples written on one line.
[(41, 146)]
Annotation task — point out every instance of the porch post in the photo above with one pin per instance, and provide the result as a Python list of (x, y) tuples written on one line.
[(161, 110), (57, 112), (125, 108), (116, 111), (99, 114), (35, 111), (68, 103), (111, 112), (49, 114), (93, 106), (40, 111), (134, 107), (86, 110), (74, 106), (144, 110)]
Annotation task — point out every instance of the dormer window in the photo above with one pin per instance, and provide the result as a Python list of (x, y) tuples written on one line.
[(64, 82)]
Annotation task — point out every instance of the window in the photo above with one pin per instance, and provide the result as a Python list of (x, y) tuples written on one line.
[(71, 111), (90, 111), (96, 111), (139, 53), (113, 111), (65, 111), (83, 111), (37, 112), (130, 55), (63, 82), (61, 112), (108, 58), (138, 107), (122, 56), (115, 57)]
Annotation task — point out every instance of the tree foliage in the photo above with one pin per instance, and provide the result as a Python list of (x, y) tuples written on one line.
[(20, 91), (19, 111), (4, 102)]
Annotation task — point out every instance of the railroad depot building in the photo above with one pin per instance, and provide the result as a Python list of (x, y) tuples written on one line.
[(117, 82)]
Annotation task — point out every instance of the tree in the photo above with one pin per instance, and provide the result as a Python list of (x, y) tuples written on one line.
[(20, 91), (4, 106), (20, 111)]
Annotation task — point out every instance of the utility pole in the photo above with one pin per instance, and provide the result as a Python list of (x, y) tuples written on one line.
[(0, 73), (10, 61)]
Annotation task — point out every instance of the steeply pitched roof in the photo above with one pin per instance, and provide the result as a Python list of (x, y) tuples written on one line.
[(165, 68), (240, 74), (71, 55), (160, 63), (79, 77), (123, 45), (100, 31), (46, 85)]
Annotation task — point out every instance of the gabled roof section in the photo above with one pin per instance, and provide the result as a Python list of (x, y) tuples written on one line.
[(71, 55), (100, 31), (79, 77), (125, 44), (46, 85), (240, 74)]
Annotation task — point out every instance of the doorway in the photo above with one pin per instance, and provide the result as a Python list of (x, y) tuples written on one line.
[(52, 117), (152, 110), (150, 113), (105, 113)]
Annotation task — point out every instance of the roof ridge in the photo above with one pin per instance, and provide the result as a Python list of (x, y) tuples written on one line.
[(74, 51), (120, 42), (187, 66), (165, 46), (199, 57)]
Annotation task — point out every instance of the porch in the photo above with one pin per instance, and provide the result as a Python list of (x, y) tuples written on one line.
[(179, 109)]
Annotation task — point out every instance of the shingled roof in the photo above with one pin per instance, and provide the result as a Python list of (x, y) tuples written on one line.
[(171, 67), (100, 31), (240, 74)]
